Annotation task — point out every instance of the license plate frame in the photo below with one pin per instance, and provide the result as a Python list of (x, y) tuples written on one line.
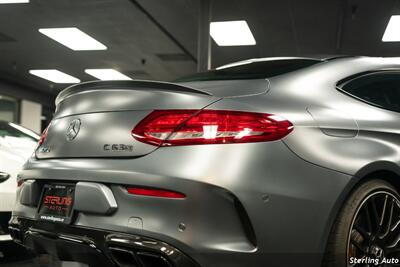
[(56, 203)]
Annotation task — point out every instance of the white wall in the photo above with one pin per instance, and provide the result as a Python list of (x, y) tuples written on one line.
[(6, 115), (31, 114)]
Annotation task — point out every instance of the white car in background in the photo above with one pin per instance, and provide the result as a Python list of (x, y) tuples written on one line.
[(16, 146)]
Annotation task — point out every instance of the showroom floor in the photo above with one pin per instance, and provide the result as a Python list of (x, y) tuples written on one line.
[(10, 256)]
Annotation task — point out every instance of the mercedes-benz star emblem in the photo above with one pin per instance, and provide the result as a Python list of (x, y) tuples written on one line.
[(73, 129)]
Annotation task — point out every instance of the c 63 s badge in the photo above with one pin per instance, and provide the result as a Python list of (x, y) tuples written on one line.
[(118, 148)]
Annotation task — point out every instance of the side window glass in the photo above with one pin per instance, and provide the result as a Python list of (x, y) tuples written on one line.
[(379, 89)]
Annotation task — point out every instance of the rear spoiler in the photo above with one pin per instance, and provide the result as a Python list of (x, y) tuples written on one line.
[(134, 85)]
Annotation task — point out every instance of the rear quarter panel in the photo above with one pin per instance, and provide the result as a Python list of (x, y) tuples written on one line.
[(340, 133)]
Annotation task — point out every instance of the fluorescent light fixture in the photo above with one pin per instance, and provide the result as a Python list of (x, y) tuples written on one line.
[(73, 38), (392, 32), (107, 74), (14, 1), (55, 76), (231, 33)]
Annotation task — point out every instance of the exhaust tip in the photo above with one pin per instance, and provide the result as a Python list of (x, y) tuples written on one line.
[(123, 257), (128, 258)]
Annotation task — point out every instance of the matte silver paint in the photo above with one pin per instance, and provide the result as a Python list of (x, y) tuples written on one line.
[(30, 193), (306, 176)]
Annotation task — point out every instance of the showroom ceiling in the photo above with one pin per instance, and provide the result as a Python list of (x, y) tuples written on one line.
[(157, 39)]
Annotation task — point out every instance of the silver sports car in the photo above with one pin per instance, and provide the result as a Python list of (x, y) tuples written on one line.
[(265, 162)]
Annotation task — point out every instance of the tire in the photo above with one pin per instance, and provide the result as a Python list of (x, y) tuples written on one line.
[(354, 235)]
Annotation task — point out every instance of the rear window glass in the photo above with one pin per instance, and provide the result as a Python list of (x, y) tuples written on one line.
[(378, 89), (254, 70), (13, 130)]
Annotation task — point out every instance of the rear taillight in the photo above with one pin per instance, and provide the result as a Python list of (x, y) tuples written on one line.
[(20, 183), (149, 192), (196, 127), (43, 136)]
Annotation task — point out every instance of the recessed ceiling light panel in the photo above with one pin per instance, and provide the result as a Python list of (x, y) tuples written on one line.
[(231, 33), (73, 38), (107, 74), (55, 76), (14, 1), (392, 32)]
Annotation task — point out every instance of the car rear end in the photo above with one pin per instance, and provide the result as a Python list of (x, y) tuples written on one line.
[(95, 188), (157, 174), (16, 146)]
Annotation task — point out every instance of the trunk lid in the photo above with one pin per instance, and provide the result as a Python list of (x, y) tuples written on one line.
[(95, 119)]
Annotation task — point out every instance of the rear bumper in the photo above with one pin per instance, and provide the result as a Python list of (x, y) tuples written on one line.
[(246, 204), (96, 247)]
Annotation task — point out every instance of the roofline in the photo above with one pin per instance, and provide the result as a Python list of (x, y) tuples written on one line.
[(320, 58), (263, 59)]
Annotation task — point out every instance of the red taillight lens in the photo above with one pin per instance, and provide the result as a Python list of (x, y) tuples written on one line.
[(20, 183), (155, 193), (43, 136), (194, 127)]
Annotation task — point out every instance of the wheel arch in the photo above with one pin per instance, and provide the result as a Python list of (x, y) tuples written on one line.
[(384, 170)]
